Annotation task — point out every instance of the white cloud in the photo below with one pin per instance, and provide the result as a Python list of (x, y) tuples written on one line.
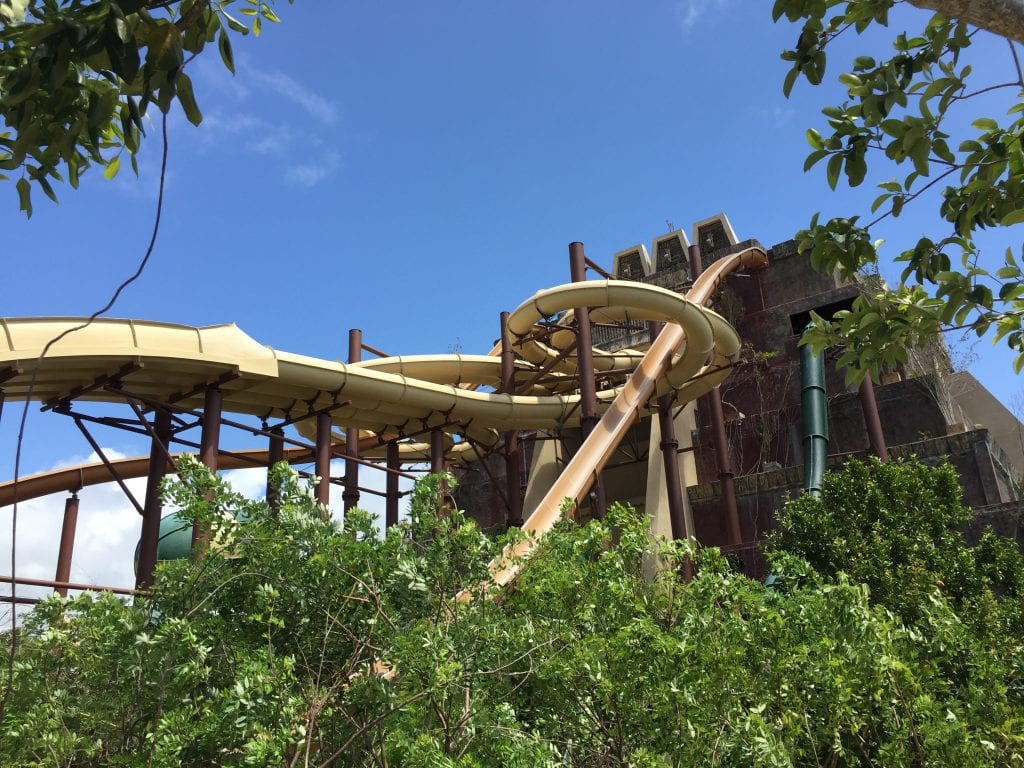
[(315, 105), (310, 174), (777, 114), (272, 140), (690, 12)]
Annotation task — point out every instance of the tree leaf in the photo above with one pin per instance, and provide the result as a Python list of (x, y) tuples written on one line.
[(188, 99), (1013, 217), (835, 165), (226, 54), (113, 166), (24, 196)]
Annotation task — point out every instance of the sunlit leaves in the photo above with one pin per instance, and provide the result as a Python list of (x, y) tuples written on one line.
[(894, 119), (76, 80)]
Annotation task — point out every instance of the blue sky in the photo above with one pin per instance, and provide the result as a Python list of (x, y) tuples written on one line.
[(412, 169)]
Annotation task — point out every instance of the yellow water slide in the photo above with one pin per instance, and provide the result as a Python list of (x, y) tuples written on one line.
[(392, 396)]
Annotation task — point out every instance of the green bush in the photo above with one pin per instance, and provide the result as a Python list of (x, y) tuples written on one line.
[(300, 642)]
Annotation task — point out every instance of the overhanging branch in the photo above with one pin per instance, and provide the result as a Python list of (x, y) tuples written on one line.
[(1002, 17)]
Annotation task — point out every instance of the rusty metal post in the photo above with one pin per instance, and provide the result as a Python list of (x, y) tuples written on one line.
[(436, 451), (323, 460), (209, 445), (670, 456), (149, 539), (726, 474), (275, 455), (391, 485), (437, 466), (872, 420), (585, 364), (67, 542), (350, 495), (512, 453)]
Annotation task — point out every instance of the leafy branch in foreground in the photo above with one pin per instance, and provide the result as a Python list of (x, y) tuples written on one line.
[(263, 652), (903, 111), (77, 78)]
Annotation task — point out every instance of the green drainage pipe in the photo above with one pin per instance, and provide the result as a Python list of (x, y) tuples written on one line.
[(815, 418)]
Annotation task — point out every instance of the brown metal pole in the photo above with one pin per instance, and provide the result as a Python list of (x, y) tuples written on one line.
[(725, 469), (513, 455), (436, 451), (869, 406), (275, 454), (391, 486), (323, 459), (21, 581), (437, 466), (585, 365), (67, 542), (209, 445), (670, 456), (150, 537), (350, 496)]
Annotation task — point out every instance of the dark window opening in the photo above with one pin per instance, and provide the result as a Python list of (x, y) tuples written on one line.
[(631, 266), (800, 320)]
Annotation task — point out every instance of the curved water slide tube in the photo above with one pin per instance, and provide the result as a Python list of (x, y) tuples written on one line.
[(392, 396), (692, 355)]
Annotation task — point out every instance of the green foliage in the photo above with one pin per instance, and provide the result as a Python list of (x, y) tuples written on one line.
[(77, 78), (897, 117), (897, 529), (299, 642)]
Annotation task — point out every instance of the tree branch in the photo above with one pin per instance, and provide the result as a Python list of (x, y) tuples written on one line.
[(1001, 17)]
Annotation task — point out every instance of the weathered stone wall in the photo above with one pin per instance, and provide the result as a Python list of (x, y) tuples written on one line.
[(987, 479)]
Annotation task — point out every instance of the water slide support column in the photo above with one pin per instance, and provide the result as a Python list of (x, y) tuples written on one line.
[(437, 466), (391, 485), (275, 454), (323, 460), (67, 542), (512, 451), (585, 364), (873, 421), (670, 455), (351, 493), (724, 460), (208, 454), (149, 539)]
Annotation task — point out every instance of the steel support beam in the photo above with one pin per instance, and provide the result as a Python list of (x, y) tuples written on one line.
[(726, 474), (150, 537), (323, 460), (275, 454), (106, 462), (513, 455), (67, 542), (391, 485), (585, 365), (25, 582), (670, 456), (209, 445), (872, 420), (350, 495), (437, 466)]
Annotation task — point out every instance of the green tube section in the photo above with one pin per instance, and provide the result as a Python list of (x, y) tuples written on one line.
[(814, 406), (175, 539)]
